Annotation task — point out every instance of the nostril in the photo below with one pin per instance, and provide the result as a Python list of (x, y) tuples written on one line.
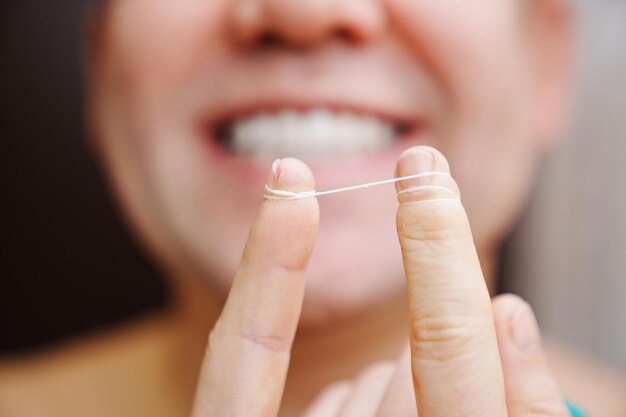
[(346, 35), (270, 39), (305, 35)]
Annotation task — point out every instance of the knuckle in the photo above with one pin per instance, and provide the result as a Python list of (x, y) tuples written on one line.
[(428, 231), (223, 334), (447, 334), (268, 342), (216, 340), (432, 224)]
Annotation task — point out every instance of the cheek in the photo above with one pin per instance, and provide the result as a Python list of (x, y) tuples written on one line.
[(152, 50), (473, 48), (478, 53), (157, 45)]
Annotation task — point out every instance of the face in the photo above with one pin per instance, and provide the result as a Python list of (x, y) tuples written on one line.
[(192, 100)]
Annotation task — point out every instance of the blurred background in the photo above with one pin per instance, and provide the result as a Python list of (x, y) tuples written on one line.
[(67, 263), (68, 266), (568, 256)]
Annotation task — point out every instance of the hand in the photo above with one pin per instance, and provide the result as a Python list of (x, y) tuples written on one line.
[(467, 356), (244, 371), (385, 389), (455, 365)]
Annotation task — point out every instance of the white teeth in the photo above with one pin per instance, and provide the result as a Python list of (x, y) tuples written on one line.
[(319, 133)]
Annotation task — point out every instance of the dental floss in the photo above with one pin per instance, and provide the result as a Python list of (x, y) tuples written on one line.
[(272, 194), (426, 187)]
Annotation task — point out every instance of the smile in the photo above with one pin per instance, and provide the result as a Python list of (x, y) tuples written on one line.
[(316, 133)]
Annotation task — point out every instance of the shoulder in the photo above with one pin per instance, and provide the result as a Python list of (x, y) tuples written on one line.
[(84, 375), (594, 387)]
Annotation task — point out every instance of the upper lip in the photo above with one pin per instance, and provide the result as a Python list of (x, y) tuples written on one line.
[(366, 81)]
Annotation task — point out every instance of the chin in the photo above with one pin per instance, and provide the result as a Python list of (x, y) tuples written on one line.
[(340, 284), (338, 292), (336, 305)]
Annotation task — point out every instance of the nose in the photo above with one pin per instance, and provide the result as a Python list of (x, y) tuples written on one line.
[(306, 23)]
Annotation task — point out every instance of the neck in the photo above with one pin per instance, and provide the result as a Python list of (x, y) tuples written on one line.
[(320, 355), (339, 350)]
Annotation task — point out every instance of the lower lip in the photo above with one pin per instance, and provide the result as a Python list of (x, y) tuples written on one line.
[(329, 173)]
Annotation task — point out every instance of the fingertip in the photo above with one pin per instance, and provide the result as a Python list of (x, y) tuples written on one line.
[(531, 388), (284, 232), (429, 176), (515, 319), (421, 158), (505, 307), (290, 174)]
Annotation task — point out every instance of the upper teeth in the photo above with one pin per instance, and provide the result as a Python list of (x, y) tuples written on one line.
[(314, 134)]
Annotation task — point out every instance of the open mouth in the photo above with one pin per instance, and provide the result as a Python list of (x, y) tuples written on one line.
[(310, 134)]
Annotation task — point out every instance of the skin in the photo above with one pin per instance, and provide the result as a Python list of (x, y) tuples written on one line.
[(487, 86), (454, 357), (211, 61)]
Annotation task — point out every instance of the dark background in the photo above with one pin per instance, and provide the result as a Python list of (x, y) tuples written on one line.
[(67, 262)]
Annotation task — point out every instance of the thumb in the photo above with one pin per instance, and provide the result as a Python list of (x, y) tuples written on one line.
[(531, 389)]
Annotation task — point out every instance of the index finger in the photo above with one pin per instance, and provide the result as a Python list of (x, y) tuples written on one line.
[(246, 362), (455, 360)]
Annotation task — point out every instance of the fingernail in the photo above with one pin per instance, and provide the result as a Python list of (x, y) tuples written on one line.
[(414, 161), (274, 178), (288, 174), (525, 330)]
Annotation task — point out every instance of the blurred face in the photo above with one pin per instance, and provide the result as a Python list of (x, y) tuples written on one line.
[(192, 100)]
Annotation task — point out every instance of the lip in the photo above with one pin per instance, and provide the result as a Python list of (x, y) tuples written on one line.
[(329, 172)]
